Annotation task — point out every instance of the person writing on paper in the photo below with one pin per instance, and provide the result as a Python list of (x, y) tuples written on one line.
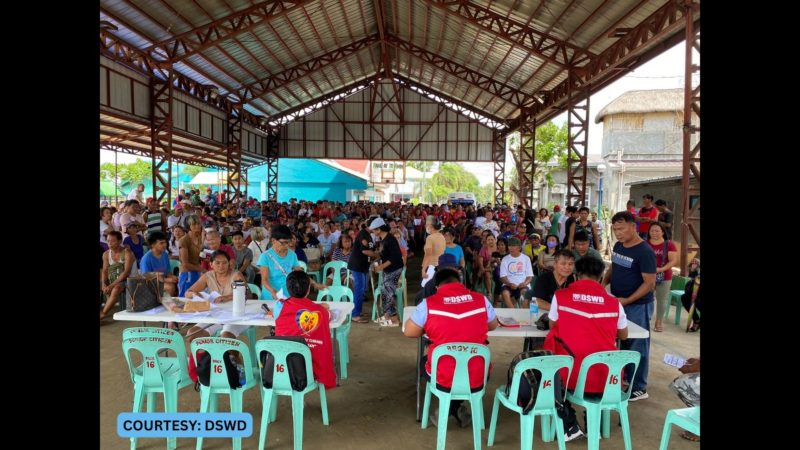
[(220, 280), (303, 317), (452, 314), (584, 319)]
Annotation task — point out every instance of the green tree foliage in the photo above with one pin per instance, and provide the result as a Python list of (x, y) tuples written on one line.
[(550, 146), (452, 177), (191, 170), (485, 194)]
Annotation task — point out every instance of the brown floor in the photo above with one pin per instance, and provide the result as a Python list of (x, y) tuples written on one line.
[(374, 407)]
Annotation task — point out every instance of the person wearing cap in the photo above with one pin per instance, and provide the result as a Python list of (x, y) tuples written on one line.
[(533, 247), (391, 264), (452, 314), (516, 273)]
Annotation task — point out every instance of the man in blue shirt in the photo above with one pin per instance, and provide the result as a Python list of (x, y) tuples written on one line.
[(633, 278), (157, 260)]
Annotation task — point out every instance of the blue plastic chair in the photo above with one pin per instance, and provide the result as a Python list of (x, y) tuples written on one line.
[(614, 398), (545, 405), (342, 333), (677, 289), (218, 381), (336, 267), (254, 289), (462, 352), (157, 373), (686, 418), (281, 385), (250, 332)]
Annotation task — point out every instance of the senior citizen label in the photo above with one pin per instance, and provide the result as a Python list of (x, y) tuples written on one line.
[(185, 425)]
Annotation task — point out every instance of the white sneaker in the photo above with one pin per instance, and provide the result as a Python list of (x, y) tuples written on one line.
[(638, 395), (573, 433)]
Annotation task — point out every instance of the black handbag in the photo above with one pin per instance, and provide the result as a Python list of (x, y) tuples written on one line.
[(143, 292)]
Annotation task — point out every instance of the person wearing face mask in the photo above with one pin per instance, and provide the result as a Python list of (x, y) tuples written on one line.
[(547, 258)]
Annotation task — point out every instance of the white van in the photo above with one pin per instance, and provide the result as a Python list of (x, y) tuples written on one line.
[(461, 198)]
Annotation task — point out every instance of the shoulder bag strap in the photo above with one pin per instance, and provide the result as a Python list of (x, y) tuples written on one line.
[(276, 263)]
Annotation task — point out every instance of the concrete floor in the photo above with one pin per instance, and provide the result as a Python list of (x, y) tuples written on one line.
[(374, 408)]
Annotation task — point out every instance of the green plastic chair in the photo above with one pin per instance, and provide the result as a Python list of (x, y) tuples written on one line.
[(545, 405), (398, 296), (342, 333), (157, 373), (336, 267), (462, 352), (250, 332), (303, 265), (282, 386), (218, 381), (676, 292), (686, 418), (174, 266), (254, 289), (614, 398)]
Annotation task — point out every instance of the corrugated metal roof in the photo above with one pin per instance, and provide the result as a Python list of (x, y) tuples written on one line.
[(469, 34)]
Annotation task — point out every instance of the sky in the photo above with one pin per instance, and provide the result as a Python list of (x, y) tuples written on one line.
[(665, 71), (662, 72)]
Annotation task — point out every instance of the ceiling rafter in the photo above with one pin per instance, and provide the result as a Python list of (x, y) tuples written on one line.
[(201, 38), (336, 38), (667, 19), (529, 39), (123, 52), (268, 84), (162, 64), (493, 87), (364, 69)]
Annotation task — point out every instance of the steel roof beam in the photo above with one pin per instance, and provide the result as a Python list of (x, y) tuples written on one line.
[(490, 85), (201, 38), (123, 52), (665, 20), (541, 44), (267, 85)]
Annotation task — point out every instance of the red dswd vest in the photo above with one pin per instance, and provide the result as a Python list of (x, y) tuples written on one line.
[(456, 314), (302, 317), (587, 323)]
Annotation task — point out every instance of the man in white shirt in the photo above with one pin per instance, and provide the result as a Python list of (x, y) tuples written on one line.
[(489, 224), (516, 272), (137, 194)]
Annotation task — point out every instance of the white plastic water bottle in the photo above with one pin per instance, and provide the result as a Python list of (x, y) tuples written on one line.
[(534, 309), (239, 299)]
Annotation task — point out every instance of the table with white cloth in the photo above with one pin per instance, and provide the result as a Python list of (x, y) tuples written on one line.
[(525, 330), (223, 313)]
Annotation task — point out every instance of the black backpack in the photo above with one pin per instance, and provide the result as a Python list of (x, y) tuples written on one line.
[(204, 370), (529, 384), (297, 365)]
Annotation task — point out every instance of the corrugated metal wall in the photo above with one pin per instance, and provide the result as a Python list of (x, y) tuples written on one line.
[(431, 132)]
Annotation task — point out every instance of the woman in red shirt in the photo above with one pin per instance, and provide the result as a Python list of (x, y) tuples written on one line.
[(302, 317)]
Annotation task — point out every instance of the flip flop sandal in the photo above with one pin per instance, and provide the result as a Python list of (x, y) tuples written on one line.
[(690, 437), (360, 319)]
